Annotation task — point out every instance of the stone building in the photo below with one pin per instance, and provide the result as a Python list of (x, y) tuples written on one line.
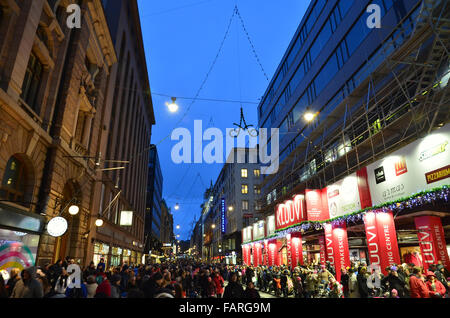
[(52, 94), (125, 144)]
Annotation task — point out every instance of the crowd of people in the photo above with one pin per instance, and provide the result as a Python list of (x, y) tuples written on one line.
[(188, 279)]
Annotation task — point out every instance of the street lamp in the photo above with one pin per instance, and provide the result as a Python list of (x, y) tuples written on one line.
[(173, 107), (309, 116), (213, 226), (178, 227), (177, 206), (230, 208), (74, 209), (99, 222)]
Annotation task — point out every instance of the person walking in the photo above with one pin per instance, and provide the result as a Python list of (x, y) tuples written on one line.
[(220, 283), (435, 288), (251, 292)]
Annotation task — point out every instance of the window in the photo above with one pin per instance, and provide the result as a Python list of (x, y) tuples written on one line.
[(31, 82), (245, 205), (244, 173), (244, 189), (256, 172), (256, 190), (13, 187)]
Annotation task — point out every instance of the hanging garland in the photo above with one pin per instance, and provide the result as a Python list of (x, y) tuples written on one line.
[(413, 201)]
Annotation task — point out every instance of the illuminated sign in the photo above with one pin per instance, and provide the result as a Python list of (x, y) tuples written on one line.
[(126, 218), (223, 217), (57, 226)]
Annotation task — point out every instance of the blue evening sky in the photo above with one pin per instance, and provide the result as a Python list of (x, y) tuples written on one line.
[(181, 39)]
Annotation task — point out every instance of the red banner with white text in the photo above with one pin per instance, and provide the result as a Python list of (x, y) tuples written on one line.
[(272, 249), (316, 208), (381, 240), (290, 212), (257, 254), (323, 250), (295, 249), (432, 241), (342, 254)]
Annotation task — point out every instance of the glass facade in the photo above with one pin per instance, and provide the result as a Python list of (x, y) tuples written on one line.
[(316, 76)]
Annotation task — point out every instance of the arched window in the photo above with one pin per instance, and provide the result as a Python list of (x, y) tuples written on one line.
[(13, 183)]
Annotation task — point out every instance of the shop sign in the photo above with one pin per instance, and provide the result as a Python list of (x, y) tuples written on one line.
[(247, 234), (223, 216), (57, 226), (272, 253), (270, 224), (432, 241), (316, 205), (126, 218), (258, 230), (290, 212), (421, 165), (349, 194)]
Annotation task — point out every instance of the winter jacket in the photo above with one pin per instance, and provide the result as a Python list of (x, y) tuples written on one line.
[(104, 289), (218, 280), (31, 288), (362, 286), (418, 288), (251, 293), (233, 290), (311, 283), (437, 289)]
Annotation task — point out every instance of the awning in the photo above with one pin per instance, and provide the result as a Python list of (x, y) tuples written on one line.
[(17, 218)]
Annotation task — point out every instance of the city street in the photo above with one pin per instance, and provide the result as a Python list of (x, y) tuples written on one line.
[(182, 148)]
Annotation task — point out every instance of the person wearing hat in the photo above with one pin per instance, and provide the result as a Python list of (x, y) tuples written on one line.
[(435, 287), (394, 281)]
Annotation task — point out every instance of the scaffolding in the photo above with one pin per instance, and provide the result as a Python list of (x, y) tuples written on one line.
[(398, 96)]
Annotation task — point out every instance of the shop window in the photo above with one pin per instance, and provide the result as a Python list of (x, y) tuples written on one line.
[(31, 82), (19, 248), (13, 185)]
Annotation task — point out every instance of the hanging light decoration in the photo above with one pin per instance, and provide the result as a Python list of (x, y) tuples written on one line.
[(74, 209), (173, 107), (177, 206), (98, 222)]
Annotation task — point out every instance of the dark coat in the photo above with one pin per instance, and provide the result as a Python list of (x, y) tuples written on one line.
[(251, 293), (233, 290)]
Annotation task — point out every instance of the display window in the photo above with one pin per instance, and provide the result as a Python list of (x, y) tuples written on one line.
[(17, 249), (100, 251)]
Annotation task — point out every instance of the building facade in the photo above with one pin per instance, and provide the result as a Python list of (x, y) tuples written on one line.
[(166, 226), (352, 102), (235, 204), (127, 125), (153, 203), (53, 92)]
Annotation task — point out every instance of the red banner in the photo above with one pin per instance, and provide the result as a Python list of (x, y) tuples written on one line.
[(337, 247), (257, 254), (329, 243), (291, 212), (246, 254), (316, 208), (342, 254), (272, 249), (432, 241), (323, 250), (388, 240), (279, 255), (381, 240), (295, 249)]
